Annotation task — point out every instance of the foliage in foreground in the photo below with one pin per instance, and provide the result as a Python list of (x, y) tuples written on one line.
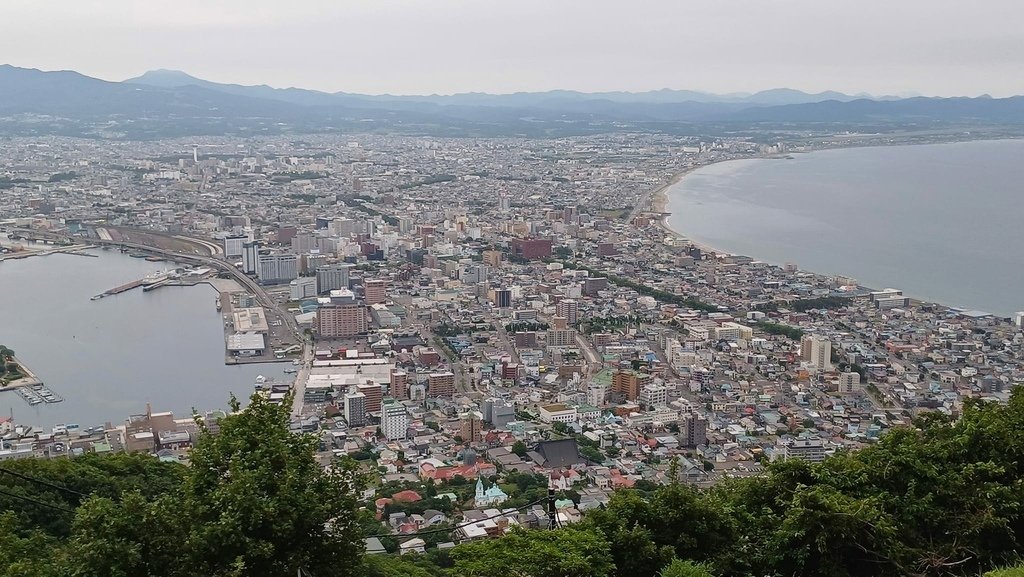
[(254, 502), (945, 498)]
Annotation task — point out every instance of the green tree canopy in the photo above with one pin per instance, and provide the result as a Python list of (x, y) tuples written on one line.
[(569, 552)]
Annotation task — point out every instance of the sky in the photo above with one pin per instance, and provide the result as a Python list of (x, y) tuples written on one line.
[(931, 47)]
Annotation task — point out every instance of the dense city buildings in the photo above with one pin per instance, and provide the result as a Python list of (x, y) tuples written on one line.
[(478, 306)]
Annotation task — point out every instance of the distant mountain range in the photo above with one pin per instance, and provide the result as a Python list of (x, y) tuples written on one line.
[(778, 96), (172, 103)]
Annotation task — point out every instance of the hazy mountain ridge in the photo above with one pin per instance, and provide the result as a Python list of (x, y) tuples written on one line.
[(176, 78), (166, 102)]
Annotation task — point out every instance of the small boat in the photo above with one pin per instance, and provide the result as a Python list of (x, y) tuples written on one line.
[(154, 259), (290, 371)]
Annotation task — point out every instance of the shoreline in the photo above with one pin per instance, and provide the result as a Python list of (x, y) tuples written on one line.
[(656, 202)]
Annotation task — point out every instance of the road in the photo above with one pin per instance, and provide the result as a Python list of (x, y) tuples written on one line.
[(594, 361), (299, 388), (505, 341)]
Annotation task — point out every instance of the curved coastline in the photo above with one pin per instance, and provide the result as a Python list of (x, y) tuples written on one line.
[(659, 200)]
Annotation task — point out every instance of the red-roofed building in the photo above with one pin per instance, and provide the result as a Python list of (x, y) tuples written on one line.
[(407, 496)]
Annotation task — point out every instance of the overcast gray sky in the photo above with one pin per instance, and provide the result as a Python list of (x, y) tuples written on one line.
[(934, 47)]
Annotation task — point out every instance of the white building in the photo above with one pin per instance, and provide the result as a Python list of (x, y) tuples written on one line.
[(251, 258), (596, 394), (277, 267), (810, 450), (653, 395), (394, 420), (233, 246), (557, 413)]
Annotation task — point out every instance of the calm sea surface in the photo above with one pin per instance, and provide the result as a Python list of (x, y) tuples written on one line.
[(109, 357), (942, 222)]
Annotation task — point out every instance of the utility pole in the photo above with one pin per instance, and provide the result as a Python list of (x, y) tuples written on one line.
[(552, 519)]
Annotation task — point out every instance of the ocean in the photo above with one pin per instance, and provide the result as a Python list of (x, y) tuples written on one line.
[(943, 222)]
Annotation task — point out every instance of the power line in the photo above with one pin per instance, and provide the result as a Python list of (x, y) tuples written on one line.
[(31, 500), (457, 527), (41, 482)]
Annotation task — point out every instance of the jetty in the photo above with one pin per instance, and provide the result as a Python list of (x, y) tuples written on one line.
[(121, 289), (153, 280)]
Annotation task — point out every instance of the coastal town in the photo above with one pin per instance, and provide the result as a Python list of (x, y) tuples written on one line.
[(477, 321)]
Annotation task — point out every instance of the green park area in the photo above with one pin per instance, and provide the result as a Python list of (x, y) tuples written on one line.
[(10, 370)]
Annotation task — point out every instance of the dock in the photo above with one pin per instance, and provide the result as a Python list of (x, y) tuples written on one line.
[(121, 289)]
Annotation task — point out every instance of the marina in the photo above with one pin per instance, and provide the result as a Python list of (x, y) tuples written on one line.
[(37, 394)]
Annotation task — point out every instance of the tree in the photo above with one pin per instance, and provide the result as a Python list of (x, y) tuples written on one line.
[(519, 448), (26, 555), (678, 568), (568, 552), (259, 504)]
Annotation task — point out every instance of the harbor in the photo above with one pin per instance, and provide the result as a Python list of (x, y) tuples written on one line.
[(112, 356)]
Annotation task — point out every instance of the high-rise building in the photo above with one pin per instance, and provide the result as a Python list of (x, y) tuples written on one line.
[(629, 383), (251, 257), (355, 409), (399, 386), (394, 420), (471, 427), (569, 309), (374, 395), (341, 320), (375, 291), (596, 394), (332, 277), (695, 431), (816, 351), (233, 246), (275, 268), (502, 298), (441, 385)]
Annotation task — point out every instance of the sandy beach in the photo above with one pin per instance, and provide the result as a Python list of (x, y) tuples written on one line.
[(657, 202)]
